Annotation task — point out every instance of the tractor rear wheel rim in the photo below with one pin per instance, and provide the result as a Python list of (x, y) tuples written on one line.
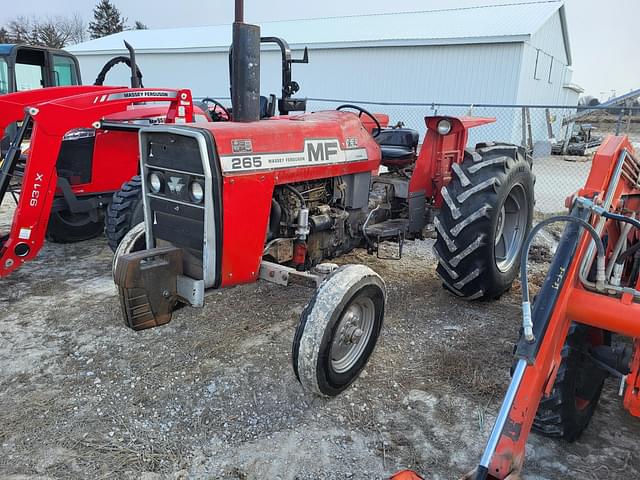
[(511, 228), (352, 334)]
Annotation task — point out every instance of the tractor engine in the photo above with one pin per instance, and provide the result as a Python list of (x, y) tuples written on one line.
[(334, 226)]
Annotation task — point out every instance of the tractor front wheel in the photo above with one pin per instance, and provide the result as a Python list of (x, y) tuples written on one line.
[(134, 241), (579, 381), (338, 330), (485, 219), (125, 211), (67, 227)]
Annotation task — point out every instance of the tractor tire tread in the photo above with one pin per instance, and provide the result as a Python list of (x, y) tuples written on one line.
[(469, 213), (121, 213), (557, 415)]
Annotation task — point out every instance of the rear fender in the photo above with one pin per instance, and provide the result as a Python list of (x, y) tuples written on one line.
[(439, 152)]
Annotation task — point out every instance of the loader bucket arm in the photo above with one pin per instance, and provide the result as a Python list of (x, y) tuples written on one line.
[(51, 120)]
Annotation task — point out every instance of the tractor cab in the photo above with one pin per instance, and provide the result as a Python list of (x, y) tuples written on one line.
[(24, 67)]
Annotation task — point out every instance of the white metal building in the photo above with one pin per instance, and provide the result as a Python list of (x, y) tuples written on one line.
[(506, 54)]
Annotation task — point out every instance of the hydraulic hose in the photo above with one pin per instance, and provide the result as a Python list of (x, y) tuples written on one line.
[(295, 191), (627, 253), (527, 322)]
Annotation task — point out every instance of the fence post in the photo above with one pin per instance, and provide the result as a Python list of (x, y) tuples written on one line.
[(524, 128), (549, 124), (529, 130), (619, 122)]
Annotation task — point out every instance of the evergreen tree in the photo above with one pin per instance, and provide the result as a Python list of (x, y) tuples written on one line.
[(139, 26), (106, 20)]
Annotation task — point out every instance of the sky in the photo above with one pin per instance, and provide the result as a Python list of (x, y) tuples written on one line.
[(601, 33)]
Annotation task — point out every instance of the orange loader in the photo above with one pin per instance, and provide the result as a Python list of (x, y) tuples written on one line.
[(592, 291)]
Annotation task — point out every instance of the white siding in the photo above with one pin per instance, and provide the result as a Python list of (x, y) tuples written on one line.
[(451, 74), (544, 70), (550, 38), (423, 74), (543, 75)]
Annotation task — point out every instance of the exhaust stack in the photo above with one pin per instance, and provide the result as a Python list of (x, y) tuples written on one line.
[(245, 69)]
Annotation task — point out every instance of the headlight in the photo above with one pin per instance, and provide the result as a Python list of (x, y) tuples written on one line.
[(79, 133), (155, 182), (444, 127), (197, 192)]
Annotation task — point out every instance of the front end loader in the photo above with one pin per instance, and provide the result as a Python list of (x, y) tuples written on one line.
[(37, 179), (227, 203), (591, 293)]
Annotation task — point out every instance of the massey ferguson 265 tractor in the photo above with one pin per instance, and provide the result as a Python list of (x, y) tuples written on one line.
[(228, 203)]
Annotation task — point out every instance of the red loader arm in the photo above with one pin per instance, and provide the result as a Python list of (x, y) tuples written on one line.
[(51, 120), (12, 105)]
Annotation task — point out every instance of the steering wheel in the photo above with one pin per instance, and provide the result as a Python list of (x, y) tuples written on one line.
[(217, 104), (363, 112)]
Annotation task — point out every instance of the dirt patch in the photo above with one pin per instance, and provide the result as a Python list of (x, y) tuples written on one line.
[(213, 395)]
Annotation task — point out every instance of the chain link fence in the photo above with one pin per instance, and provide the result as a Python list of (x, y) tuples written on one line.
[(562, 139)]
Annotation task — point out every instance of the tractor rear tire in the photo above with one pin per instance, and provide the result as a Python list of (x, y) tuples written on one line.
[(567, 411), (67, 227), (484, 221), (338, 330), (125, 212)]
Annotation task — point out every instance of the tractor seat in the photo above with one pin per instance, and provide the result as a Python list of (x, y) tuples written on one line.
[(398, 146)]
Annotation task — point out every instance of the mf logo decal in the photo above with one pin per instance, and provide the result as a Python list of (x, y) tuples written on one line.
[(315, 152), (324, 151), (175, 185)]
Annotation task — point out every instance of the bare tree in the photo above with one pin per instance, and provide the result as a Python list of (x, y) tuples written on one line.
[(20, 30), (54, 32), (76, 28)]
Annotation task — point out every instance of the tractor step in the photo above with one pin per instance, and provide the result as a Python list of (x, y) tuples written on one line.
[(389, 230)]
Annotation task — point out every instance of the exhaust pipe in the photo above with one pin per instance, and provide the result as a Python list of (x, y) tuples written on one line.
[(135, 81), (245, 69)]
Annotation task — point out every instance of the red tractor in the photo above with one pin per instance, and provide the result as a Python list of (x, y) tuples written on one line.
[(75, 178), (228, 203)]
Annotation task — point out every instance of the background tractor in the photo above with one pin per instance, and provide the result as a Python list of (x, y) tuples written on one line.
[(227, 203), (90, 164)]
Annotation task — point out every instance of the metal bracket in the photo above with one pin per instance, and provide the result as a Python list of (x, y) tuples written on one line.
[(190, 290), (400, 237), (282, 275)]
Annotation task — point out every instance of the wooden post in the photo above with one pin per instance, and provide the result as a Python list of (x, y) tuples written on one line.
[(529, 131), (549, 123), (524, 128)]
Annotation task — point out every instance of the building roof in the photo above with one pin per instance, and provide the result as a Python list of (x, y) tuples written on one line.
[(513, 22)]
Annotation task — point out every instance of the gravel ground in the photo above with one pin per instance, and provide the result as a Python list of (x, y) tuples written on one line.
[(213, 395)]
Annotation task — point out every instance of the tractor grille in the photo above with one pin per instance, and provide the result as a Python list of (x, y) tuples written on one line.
[(175, 155)]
